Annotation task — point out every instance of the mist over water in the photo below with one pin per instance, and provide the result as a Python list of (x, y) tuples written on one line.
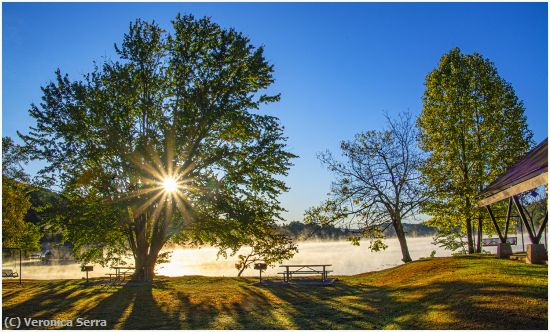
[(346, 259)]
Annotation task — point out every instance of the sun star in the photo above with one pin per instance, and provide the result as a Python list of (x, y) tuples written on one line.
[(169, 184)]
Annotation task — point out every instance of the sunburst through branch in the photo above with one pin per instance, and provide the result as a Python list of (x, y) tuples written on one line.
[(162, 184)]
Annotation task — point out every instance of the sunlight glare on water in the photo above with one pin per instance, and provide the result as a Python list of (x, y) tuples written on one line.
[(345, 258)]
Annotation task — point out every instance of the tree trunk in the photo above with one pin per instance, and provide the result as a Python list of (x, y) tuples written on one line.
[(469, 235), (479, 233), (402, 240), (145, 267), (240, 272), (145, 247), (469, 230)]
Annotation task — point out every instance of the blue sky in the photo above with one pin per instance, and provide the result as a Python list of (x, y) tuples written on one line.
[(337, 66)]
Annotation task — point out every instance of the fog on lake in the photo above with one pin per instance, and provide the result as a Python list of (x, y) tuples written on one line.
[(346, 259)]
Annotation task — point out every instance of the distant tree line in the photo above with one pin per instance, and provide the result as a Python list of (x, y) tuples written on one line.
[(306, 231)]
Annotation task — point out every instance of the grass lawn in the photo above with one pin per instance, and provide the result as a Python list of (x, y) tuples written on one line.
[(477, 292)]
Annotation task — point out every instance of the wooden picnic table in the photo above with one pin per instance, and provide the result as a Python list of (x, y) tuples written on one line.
[(120, 269), (120, 272), (305, 269)]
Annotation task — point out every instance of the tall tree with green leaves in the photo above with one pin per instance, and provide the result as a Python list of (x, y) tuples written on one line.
[(473, 127), (164, 144)]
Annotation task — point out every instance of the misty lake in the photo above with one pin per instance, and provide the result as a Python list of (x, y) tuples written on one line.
[(346, 259)]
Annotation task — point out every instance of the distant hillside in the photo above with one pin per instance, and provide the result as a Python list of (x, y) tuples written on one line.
[(301, 231), (38, 198)]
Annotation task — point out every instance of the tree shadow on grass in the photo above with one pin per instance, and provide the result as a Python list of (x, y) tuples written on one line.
[(125, 307), (440, 305), (254, 311), (460, 304), (48, 300), (340, 306), (249, 308), (146, 308), (475, 305), (146, 312)]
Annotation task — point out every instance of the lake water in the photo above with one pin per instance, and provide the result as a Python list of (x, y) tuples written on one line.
[(346, 259)]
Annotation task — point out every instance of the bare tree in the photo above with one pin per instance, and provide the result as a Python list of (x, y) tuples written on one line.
[(377, 183)]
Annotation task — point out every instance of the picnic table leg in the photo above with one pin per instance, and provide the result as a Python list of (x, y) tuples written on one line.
[(324, 273), (287, 274)]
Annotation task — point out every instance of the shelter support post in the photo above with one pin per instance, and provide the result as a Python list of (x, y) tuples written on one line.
[(536, 253), (502, 239), (534, 237), (504, 250), (542, 227), (522, 237), (508, 214), (524, 219)]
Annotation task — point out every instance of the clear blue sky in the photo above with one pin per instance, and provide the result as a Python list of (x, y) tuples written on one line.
[(337, 66)]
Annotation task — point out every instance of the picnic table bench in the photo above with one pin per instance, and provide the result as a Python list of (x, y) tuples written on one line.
[(9, 273), (121, 272), (305, 269)]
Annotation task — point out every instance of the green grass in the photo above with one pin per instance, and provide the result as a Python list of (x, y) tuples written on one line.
[(477, 292)]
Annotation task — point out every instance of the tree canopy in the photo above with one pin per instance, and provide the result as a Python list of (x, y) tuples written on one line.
[(180, 106), (473, 127)]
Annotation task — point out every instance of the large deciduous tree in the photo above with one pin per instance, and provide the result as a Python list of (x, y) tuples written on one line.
[(377, 182), (163, 144), (473, 127)]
